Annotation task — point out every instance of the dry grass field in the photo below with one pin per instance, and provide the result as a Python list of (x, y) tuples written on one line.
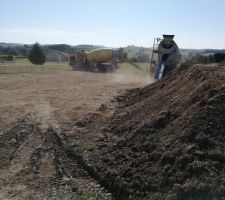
[(54, 92), (37, 99)]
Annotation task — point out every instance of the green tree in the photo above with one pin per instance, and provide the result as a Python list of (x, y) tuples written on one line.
[(36, 55), (134, 59), (201, 59), (122, 55), (219, 57), (210, 59)]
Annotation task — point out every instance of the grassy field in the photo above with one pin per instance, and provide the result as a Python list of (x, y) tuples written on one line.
[(53, 98), (25, 66)]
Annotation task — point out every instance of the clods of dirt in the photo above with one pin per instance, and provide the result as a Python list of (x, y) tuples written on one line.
[(167, 140)]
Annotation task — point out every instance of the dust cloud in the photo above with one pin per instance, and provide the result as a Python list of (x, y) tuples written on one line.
[(130, 78), (42, 115)]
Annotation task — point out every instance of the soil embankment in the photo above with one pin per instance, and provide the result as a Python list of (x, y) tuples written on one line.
[(166, 140), (163, 141)]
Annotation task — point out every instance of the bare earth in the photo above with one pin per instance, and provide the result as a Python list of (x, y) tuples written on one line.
[(58, 97), (34, 110)]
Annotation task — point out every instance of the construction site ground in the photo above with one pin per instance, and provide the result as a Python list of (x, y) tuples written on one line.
[(38, 115), (77, 135)]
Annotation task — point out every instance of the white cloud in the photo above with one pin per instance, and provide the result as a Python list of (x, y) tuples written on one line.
[(106, 37), (43, 36)]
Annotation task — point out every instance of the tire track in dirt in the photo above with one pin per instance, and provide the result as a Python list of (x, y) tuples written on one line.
[(44, 166), (40, 167)]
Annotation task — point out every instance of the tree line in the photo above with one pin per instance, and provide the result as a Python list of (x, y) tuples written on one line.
[(212, 58), (7, 53), (23, 50)]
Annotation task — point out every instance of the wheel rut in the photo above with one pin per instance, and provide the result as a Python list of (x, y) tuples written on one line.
[(40, 166)]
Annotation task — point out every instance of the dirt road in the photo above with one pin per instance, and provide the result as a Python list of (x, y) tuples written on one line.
[(37, 120)]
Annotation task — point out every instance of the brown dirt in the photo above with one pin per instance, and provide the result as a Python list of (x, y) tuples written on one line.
[(38, 131), (166, 140), (162, 141), (58, 97)]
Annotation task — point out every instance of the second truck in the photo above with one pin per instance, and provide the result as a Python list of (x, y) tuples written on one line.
[(99, 60)]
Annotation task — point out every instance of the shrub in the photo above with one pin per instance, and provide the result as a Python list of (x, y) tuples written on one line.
[(36, 55), (219, 57)]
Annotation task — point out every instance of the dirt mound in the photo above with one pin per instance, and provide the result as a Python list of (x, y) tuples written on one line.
[(166, 141)]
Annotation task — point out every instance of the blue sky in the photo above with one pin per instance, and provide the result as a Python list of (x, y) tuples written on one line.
[(113, 23)]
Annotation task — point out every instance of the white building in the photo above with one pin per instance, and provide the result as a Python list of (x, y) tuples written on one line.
[(57, 57)]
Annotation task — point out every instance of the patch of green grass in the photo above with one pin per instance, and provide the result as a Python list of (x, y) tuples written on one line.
[(25, 66)]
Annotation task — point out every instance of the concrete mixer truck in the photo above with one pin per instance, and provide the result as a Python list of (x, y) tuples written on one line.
[(99, 60), (165, 56)]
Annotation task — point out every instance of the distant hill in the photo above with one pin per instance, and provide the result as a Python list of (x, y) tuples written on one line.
[(87, 47), (18, 49), (3, 44)]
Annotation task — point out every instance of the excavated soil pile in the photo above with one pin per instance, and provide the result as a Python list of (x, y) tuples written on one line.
[(167, 140)]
